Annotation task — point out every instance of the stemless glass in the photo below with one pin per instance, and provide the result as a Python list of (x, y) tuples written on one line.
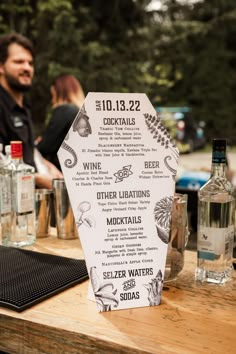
[(178, 237)]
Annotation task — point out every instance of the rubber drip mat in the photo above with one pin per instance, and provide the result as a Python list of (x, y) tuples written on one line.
[(28, 277)]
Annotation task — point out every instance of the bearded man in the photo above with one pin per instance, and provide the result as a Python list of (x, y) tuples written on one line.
[(16, 75)]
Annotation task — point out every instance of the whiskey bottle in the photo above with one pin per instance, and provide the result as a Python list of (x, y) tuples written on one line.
[(216, 215), (22, 230)]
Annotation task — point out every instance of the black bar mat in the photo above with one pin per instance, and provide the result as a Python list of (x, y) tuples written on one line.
[(28, 277)]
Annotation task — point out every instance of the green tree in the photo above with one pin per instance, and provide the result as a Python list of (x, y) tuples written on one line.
[(104, 44), (182, 54), (196, 61)]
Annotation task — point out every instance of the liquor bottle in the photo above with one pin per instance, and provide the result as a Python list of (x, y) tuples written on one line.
[(22, 231), (216, 215), (5, 194), (2, 156), (8, 153)]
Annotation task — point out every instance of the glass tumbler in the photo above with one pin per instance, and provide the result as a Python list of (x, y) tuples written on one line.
[(178, 237)]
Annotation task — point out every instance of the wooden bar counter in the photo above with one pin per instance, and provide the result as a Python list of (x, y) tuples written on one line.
[(191, 318)]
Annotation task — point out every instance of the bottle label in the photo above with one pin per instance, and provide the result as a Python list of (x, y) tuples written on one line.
[(218, 157), (5, 194), (25, 193), (214, 242)]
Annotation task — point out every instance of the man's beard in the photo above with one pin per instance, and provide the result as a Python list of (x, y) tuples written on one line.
[(15, 85)]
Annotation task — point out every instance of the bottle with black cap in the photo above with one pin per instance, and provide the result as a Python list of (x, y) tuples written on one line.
[(216, 216)]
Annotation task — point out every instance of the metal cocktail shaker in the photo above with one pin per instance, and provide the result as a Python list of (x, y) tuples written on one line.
[(65, 222)]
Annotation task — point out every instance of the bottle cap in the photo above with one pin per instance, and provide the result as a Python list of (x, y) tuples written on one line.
[(219, 144), (16, 149), (219, 151)]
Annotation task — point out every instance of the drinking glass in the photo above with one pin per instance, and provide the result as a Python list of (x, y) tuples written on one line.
[(178, 237)]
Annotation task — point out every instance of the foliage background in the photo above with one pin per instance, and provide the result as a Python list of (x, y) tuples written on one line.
[(184, 54)]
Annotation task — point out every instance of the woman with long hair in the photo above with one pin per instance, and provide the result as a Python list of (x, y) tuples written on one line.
[(67, 98)]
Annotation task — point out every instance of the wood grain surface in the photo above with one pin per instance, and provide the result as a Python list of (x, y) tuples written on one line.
[(192, 318)]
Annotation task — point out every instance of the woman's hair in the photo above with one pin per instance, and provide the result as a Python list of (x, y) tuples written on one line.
[(68, 89)]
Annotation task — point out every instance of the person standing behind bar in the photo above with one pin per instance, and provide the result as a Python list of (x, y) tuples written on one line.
[(16, 75), (67, 98)]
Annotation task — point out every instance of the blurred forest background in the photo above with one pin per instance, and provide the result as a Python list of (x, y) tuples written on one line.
[(183, 54)]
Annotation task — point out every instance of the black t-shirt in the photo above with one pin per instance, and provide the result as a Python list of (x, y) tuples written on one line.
[(16, 124), (56, 131)]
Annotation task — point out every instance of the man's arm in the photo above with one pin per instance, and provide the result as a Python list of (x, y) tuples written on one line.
[(45, 180), (52, 169)]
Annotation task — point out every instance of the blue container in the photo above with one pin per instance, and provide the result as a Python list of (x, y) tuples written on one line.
[(192, 179)]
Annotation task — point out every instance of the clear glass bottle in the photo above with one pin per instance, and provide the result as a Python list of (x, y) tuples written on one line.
[(8, 153), (2, 156), (5, 195), (216, 215), (22, 231)]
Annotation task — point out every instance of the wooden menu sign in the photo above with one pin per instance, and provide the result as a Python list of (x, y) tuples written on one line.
[(119, 164)]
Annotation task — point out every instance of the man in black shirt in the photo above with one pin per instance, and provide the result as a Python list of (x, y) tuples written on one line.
[(16, 125), (16, 74)]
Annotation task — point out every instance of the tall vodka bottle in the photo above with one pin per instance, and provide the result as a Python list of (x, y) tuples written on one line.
[(216, 213), (22, 231)]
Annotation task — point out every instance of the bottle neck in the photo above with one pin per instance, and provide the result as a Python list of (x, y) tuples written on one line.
[(218, 162), (218, 169), (16, 160)]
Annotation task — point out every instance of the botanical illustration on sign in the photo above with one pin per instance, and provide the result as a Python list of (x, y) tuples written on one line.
[(162, 216), (162, 137), (86, 220), (82, 126), (155, 289), (104, 292)]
